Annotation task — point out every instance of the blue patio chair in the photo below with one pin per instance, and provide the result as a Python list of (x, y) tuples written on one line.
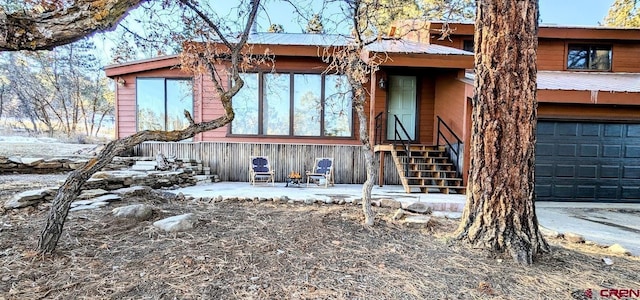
[(322, 169), (260, 170)]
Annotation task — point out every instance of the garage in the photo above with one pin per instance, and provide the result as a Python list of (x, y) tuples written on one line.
[(587, 161)]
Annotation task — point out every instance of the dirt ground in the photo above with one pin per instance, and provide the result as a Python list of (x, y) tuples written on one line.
[(266, 250)]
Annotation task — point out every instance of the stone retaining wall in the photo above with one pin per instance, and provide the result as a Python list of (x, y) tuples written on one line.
[(36, 165)]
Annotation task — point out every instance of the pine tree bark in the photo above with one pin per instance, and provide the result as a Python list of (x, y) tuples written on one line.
[(500, 212)]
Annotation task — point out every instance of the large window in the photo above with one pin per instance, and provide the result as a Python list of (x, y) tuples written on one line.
[(589, 57), (288, 104), (161, 103)]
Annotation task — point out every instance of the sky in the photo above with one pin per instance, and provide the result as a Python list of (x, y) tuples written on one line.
[(573, 12), (559, 12)]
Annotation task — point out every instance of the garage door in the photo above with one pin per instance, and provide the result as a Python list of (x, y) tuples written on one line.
[(582, 161)]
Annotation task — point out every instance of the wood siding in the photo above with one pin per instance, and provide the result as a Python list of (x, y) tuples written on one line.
[(626, 57), (450, 104), (427, 98), (230, 161)]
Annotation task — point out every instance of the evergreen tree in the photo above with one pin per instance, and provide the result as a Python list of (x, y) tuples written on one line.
[(315, 25), (277, 28), (624, 13)]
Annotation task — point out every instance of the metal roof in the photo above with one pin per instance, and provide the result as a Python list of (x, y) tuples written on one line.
[(585, 81), (403, 46), (325, 40)]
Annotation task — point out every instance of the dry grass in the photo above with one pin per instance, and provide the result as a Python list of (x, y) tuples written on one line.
[(265, 250)]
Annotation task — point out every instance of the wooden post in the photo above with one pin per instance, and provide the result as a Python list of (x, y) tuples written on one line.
[(381, 171)]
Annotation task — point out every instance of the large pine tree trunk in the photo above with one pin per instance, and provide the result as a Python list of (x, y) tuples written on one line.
[(500, 214)]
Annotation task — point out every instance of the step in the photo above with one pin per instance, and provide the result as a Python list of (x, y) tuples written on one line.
[(424, 188), (433, 178)]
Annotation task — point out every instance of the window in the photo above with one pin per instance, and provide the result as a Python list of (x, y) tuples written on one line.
[(467, 45), (161, 103), (589, 57), (293, 104)]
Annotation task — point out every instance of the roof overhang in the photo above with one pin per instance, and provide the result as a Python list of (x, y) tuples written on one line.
[(169, 61)]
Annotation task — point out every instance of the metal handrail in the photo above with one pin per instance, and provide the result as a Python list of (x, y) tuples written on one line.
[(406, 143), (458, 140)]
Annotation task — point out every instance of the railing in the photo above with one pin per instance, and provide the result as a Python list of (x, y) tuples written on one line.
[(405, 141), (379, 132), (455, 150)]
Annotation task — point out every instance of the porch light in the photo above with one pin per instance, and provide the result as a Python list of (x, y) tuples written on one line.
[(382, 84), (121, 82)]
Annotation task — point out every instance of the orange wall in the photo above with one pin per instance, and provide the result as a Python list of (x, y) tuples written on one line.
[(450, 103), (552, 53)]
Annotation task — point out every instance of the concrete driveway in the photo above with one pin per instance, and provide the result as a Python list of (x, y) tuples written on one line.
[(602, 223)]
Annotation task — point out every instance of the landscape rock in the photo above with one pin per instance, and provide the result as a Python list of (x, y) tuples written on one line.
[(136, 211), (607, 261), (48, 165), (417, 221), (132, 191), (88, 194), (398, 214), (93, 205), (618, 249), (418, 207), (453, 215), (573, 238), (15, 159), (31, 161), (390, 203), (549, 233), (26, 198), (177, 223)]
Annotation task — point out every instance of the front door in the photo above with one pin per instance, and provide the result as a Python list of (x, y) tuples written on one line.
[(402, 103)]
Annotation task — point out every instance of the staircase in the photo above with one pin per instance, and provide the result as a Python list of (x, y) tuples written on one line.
[(426, 169)]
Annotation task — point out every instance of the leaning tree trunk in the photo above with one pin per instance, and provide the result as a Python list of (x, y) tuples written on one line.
[(72, 187), (500, 213)]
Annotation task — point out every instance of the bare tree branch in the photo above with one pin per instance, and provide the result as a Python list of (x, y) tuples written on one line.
[(34, 30)]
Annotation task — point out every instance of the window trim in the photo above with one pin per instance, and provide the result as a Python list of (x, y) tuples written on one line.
[(589, 44), (193, 96), (291, 134)]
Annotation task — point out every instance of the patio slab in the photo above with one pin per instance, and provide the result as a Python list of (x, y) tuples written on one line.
[(437, 202)]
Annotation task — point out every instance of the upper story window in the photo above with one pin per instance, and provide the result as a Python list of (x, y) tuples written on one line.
[(293, 104), (161, 102), (589, 57), (467, 45)]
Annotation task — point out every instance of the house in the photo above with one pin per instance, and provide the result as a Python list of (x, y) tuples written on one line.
[(419, 111)]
